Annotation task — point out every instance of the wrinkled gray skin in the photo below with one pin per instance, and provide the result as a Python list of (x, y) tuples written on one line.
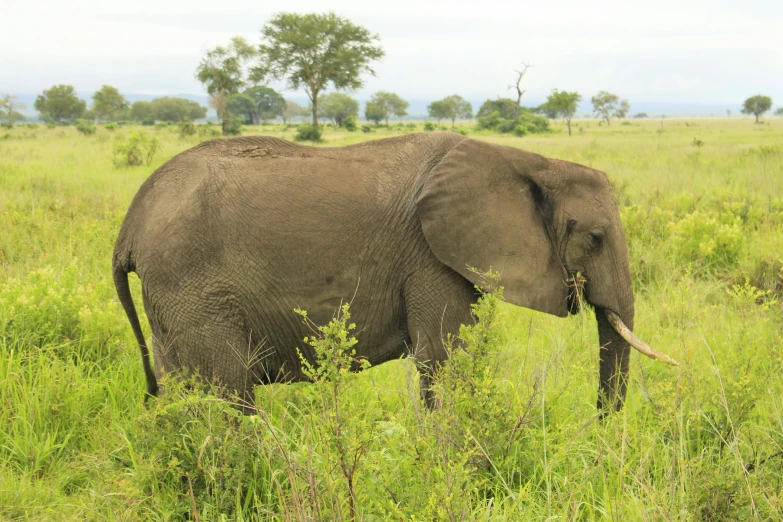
[(232, 235)]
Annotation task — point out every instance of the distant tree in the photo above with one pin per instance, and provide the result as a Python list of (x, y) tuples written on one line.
[(314, 50), (292, 110), (242, 105), (141, 110), (450, 107), (388, 103), (640, 115), (222, 72), (564, 104), (757, 105), (373, 112), (107, 103), (60, 103), (9, 105), (505, 107), (269, 103), (338, 106), (607, 105), (779, 112), (520, 91), (174, 109), (728, 113)]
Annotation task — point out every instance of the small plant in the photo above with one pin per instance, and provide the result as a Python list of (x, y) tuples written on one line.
[(520, 131), (411, 126), (186, 128), (349, 124), (138, 149), (86, 127), (429, 126), (51, 125), (234, 127), (110, 126), (148, 122), (366, 129), (697, 143), (308, 132)]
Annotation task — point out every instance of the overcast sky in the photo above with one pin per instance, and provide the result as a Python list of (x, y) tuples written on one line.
[(689, 51)]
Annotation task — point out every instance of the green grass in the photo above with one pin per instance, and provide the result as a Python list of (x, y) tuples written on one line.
[(700, 442)]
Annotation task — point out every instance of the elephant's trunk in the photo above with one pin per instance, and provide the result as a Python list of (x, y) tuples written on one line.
[(614, 358)]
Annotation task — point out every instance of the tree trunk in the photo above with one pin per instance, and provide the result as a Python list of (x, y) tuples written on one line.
[(315, 109), (568, 122), (757, 117)]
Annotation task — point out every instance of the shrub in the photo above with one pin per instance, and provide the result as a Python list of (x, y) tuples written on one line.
[(7, 125), (710, 240), (366, 129), (462, 132), (429, 126), (110, 126), (148, 122), (85, 127), (51, 125), (234, 127), (520, 131), (350, 124), (308, 132), (411, 126), (161, 124), (187, 128), (138, 149)]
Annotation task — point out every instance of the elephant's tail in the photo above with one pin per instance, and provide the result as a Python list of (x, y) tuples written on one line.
[(124, 293)]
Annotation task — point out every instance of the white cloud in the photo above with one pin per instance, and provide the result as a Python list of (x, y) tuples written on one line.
[(696, 51)]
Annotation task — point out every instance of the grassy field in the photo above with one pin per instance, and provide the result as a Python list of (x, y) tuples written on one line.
[(702, 205)]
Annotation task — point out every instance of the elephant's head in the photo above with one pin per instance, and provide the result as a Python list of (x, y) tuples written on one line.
[(537, 222)]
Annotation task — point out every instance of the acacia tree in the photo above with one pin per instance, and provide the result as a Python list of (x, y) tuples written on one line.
[(385, 104), (9, 105), (338, 106), (292, 110), (60, 102), (222, 71), (779, 112), (311, 51), (757, 105), (450, 107), (563, 103), (107, 102), (269, 103), (373, 112), (608, 105)]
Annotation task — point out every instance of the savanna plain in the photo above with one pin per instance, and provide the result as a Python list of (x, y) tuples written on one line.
[(517, 437)]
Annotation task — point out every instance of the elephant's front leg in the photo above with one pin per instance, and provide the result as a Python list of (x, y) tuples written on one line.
[(437, 302)]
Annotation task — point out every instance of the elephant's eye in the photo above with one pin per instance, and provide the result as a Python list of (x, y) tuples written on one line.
[(596, 240)]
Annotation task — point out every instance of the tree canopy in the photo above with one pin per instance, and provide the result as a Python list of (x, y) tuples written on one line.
[(269, 103), (167, 108), (312, 51), (608, 105), (60, 103), (108, 103), (222, 71), (505, 107), (292, 110), (450, 107), (338, 106), (386, 104), (779, 112), (757, 105), (564, 104), (242, 105), (9, 105)]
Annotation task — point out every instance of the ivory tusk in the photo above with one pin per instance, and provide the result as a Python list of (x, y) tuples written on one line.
[(634, 341)]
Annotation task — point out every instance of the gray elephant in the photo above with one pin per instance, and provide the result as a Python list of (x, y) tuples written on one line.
[(231, 236)]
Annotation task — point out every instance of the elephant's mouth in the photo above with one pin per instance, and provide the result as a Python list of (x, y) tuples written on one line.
[(576, 291)]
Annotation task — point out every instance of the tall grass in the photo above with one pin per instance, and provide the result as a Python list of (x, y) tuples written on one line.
[(517, 436)]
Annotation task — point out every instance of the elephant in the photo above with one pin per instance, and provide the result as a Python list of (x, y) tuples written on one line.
[(232, 235)]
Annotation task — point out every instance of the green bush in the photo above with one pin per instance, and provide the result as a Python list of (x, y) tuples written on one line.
[(187, 128), (366, 129), (148, 122), (531, 123), (429, 126), (85, 127), (7, 125), (520, 131), (411, 126), (308, 132), (51, 125), (110, 126), (138, 149), (713, 241), (349, 124), (234, 127)]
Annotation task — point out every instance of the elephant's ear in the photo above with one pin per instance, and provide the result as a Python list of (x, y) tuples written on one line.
[(482, 207)]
